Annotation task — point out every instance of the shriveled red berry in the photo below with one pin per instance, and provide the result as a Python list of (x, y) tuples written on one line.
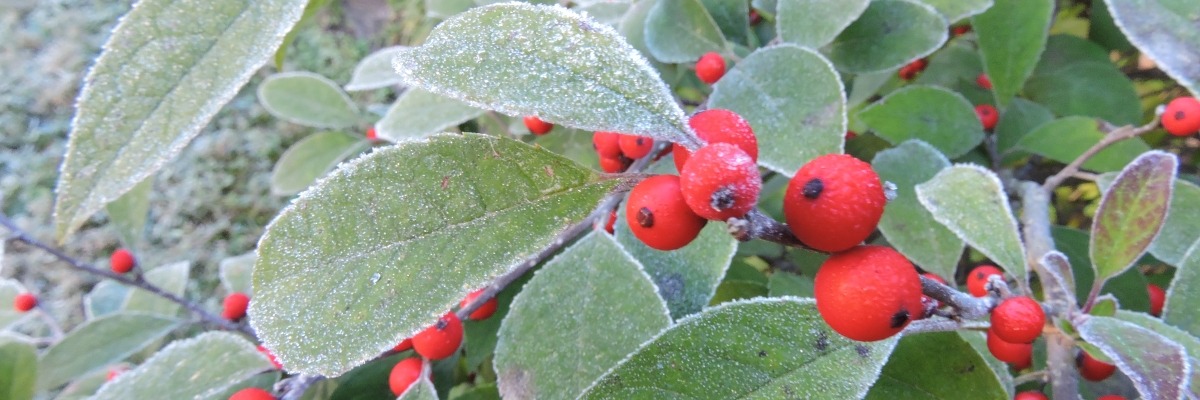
[(719, 126), (1018, 320), (868, 293), (404, 374), (710, 68), (235, 306), (658, 215), (834, 202), (404, 345), (978, 278), (612, 222), (252, 393), (537, 126), (1158, 298), (607, 144), (983, 81), (1019, 354), (634, 146), (1092, 369), (121, 261), (270, 356), (484, 311), (25, 302), (614, 165), (440, 340), (1031, 395), (988, 116), (372, 135), (720, 182), (1182, 116)]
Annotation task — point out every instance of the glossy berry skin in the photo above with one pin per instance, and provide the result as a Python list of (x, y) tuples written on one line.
[(270, 356), (719, 126), (1182, 116), (537, 126), (634, 146), (710, 68), (1019, 354), (612, 222), (834, 202), (868, 293), (988, 116), (121, 261), (1092, 369), (404, 345), (658, 215), (614, 165), (440, 340), (720, 182), (484, 311), (1031, 396), (607, 144), (404, 374), (978, 278), (235, 306), (1158, 297), (1018, 320), (252, 393), (25, 302), (983, 81)]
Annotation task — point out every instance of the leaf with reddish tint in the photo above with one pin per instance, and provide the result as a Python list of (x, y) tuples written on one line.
[(1131, 213), (1157, 366)]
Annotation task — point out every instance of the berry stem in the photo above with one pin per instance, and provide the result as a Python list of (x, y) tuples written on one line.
[(969, 307), (756, 225), (1035, 376), (942, 325), (1113, 135)]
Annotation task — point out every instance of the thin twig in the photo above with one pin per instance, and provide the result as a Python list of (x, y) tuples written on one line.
[(1035, 376), (756, 225), (942, 325), (1112, 136), (969, 307)]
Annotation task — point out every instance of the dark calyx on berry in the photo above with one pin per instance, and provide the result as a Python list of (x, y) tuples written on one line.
[(813, 188), (645, 217), (900, 318), (723, 199)]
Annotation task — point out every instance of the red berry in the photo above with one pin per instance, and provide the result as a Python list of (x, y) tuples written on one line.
[(834, 202), (1018, 320), (720, 182), (235, 306), (404, 345), (372, 135), (658, 215), (404, 374), (1020, 354), (484, 311), (614, 165), (961, 29), (754, 17), (440, 340), (537, 126), (910, 71), (252, 393), (114, 373), (1031, 396), (612, 222), (1093, 369), (121, 261), (868, 293), (988, 116), (710, 68), (851, 135), (1182, 116), (983, 81), (719, 126), (1158, 297), (25, 302), (270, 356), (607, 144), (978, 278), (1111, 397), (634, 146)]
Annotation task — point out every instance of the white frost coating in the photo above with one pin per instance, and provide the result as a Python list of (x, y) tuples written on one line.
[(810, 13), (923, 240), (1142, 162), (1146, 374), (566, 69), (214, 361), (955, 10), (1180, 60), (375, 70), (309, 106), (1186, 271), (641, 268), (418, 113)]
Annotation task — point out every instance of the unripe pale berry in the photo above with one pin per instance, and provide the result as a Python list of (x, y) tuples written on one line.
[(404, 374), (1017, 354), (25, 302), (235, 306), (484, 311), (719, 126), (252, 393), (634, 146), (270, 356), (440, 340), (720, 182), (1182, 116), (1031, 395), (1018, 320), (1158, 298), (710, 68), (983, 81), (607, 144), (978, 278), (658, 215), (1093, 369), (868, 293), (988, 116), (121, 261), (537, 126), (834, 202)]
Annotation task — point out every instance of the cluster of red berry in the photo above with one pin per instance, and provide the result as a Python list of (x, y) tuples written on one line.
[(439, 341), (617, 151)]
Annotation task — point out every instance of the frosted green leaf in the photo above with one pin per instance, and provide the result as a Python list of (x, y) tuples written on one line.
[(603, 307), (1131, 213), (890, 33), (443, 9), (565, 68), (1183, 295), (171, 278), (1065, 139), (1166, 31), (85, 386), (1075, 77), (18, 370), (978, 341), (1182, 228), (1157, 366), (106, 297), (423, 388), (1190, 343), (814, 23), (1012, 36), (312, 157), (914, 372), (732, 17), (214, 361), (766, 5), (1104, 306), (932, 114), (758, 349), (418, 114), (1018, 120), (235, 273), (165, 71), (128, 214), (866, 85), (970, 201), (680, 31), (788, 284), (955, 67), (98, 343), (308, 99), (9, 289), (908, 226), (608, 13), (388, 242), (955, 10), (267, 382), (793, 99), (375, 70)]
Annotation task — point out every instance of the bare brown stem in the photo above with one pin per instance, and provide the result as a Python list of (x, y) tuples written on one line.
[(1112, 136)]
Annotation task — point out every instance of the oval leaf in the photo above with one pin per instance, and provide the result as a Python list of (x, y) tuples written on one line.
[(588, 76), (375, 70), (418, 114), (107, 297), (1190, 343), (388, 242), (766, 348), (1166, 32), (99, 343), (1157, 366), (936, 365), (1184, 293), (165, 71), (1131, 213), (310, 158), (907, 226), (576, 290), (680, 31), (890, 33), (171, 278), (18, 370), (955, 10), (128, 214), (1065, 139), (423, 388), (235, 273), (214, 361), (937, 116), (1182, 228), (814, 23), (1075, 77), (307, 99), (1012, 35)]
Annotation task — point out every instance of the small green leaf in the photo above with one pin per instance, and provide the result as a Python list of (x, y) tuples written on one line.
[(168, 67), (1157, 366), (576, 290), (1164, 30), (937, 116), (1012, 35), (171, 278), (1075, 77), (954, 67), (936, 365), (759, 349), (418, 114), (680, 31), (423, 388), (793, 99), (99, 343), (1184, 293), (815, 23), (106, 297), (733, 17), (390, 241), (128, 214), (729, 291), (1065, 139), (308, 99), (908, 226), (588, 76), (955, 10), (890, 33), (970, 201), (978, 341), (1018, 120), (1190, 343), (213, 361), (1105, 306), (310, 158), (18, 370), (375, 70), (235, 273), (788, 284), (1182, 228), (443, 9), (1131, 213), (85, 386)]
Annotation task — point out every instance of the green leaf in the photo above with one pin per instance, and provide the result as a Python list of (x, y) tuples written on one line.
[(423, 388), (573, 144), (1105, 306), (937, 116), (788, 284), (18, 370), (213, 361), (85, 386), (310, 158), (1075, 77), (890, 33), (368, 381), (235, 273), (759, 349), (165, 71), (1131, 213), (385, 245), (1018, 120), (1183, 295), (1182, 228), (970, 201), (793, 99), (908, 226), (815, 23), (588, 76), (576, 290), (733, 17), (978, 341), (375, 70), (443, 9), (128, 213), (480, 337), (98, 343), (1164, 30), (1065, 139), (418, 114), (954, 67), (680, 31), (936, 365), (308, 99), (106, 297), (1157, 366), (729, 291), (171, 278), (9, 289), (1012, 35), (955, 10), (1190, 343)]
